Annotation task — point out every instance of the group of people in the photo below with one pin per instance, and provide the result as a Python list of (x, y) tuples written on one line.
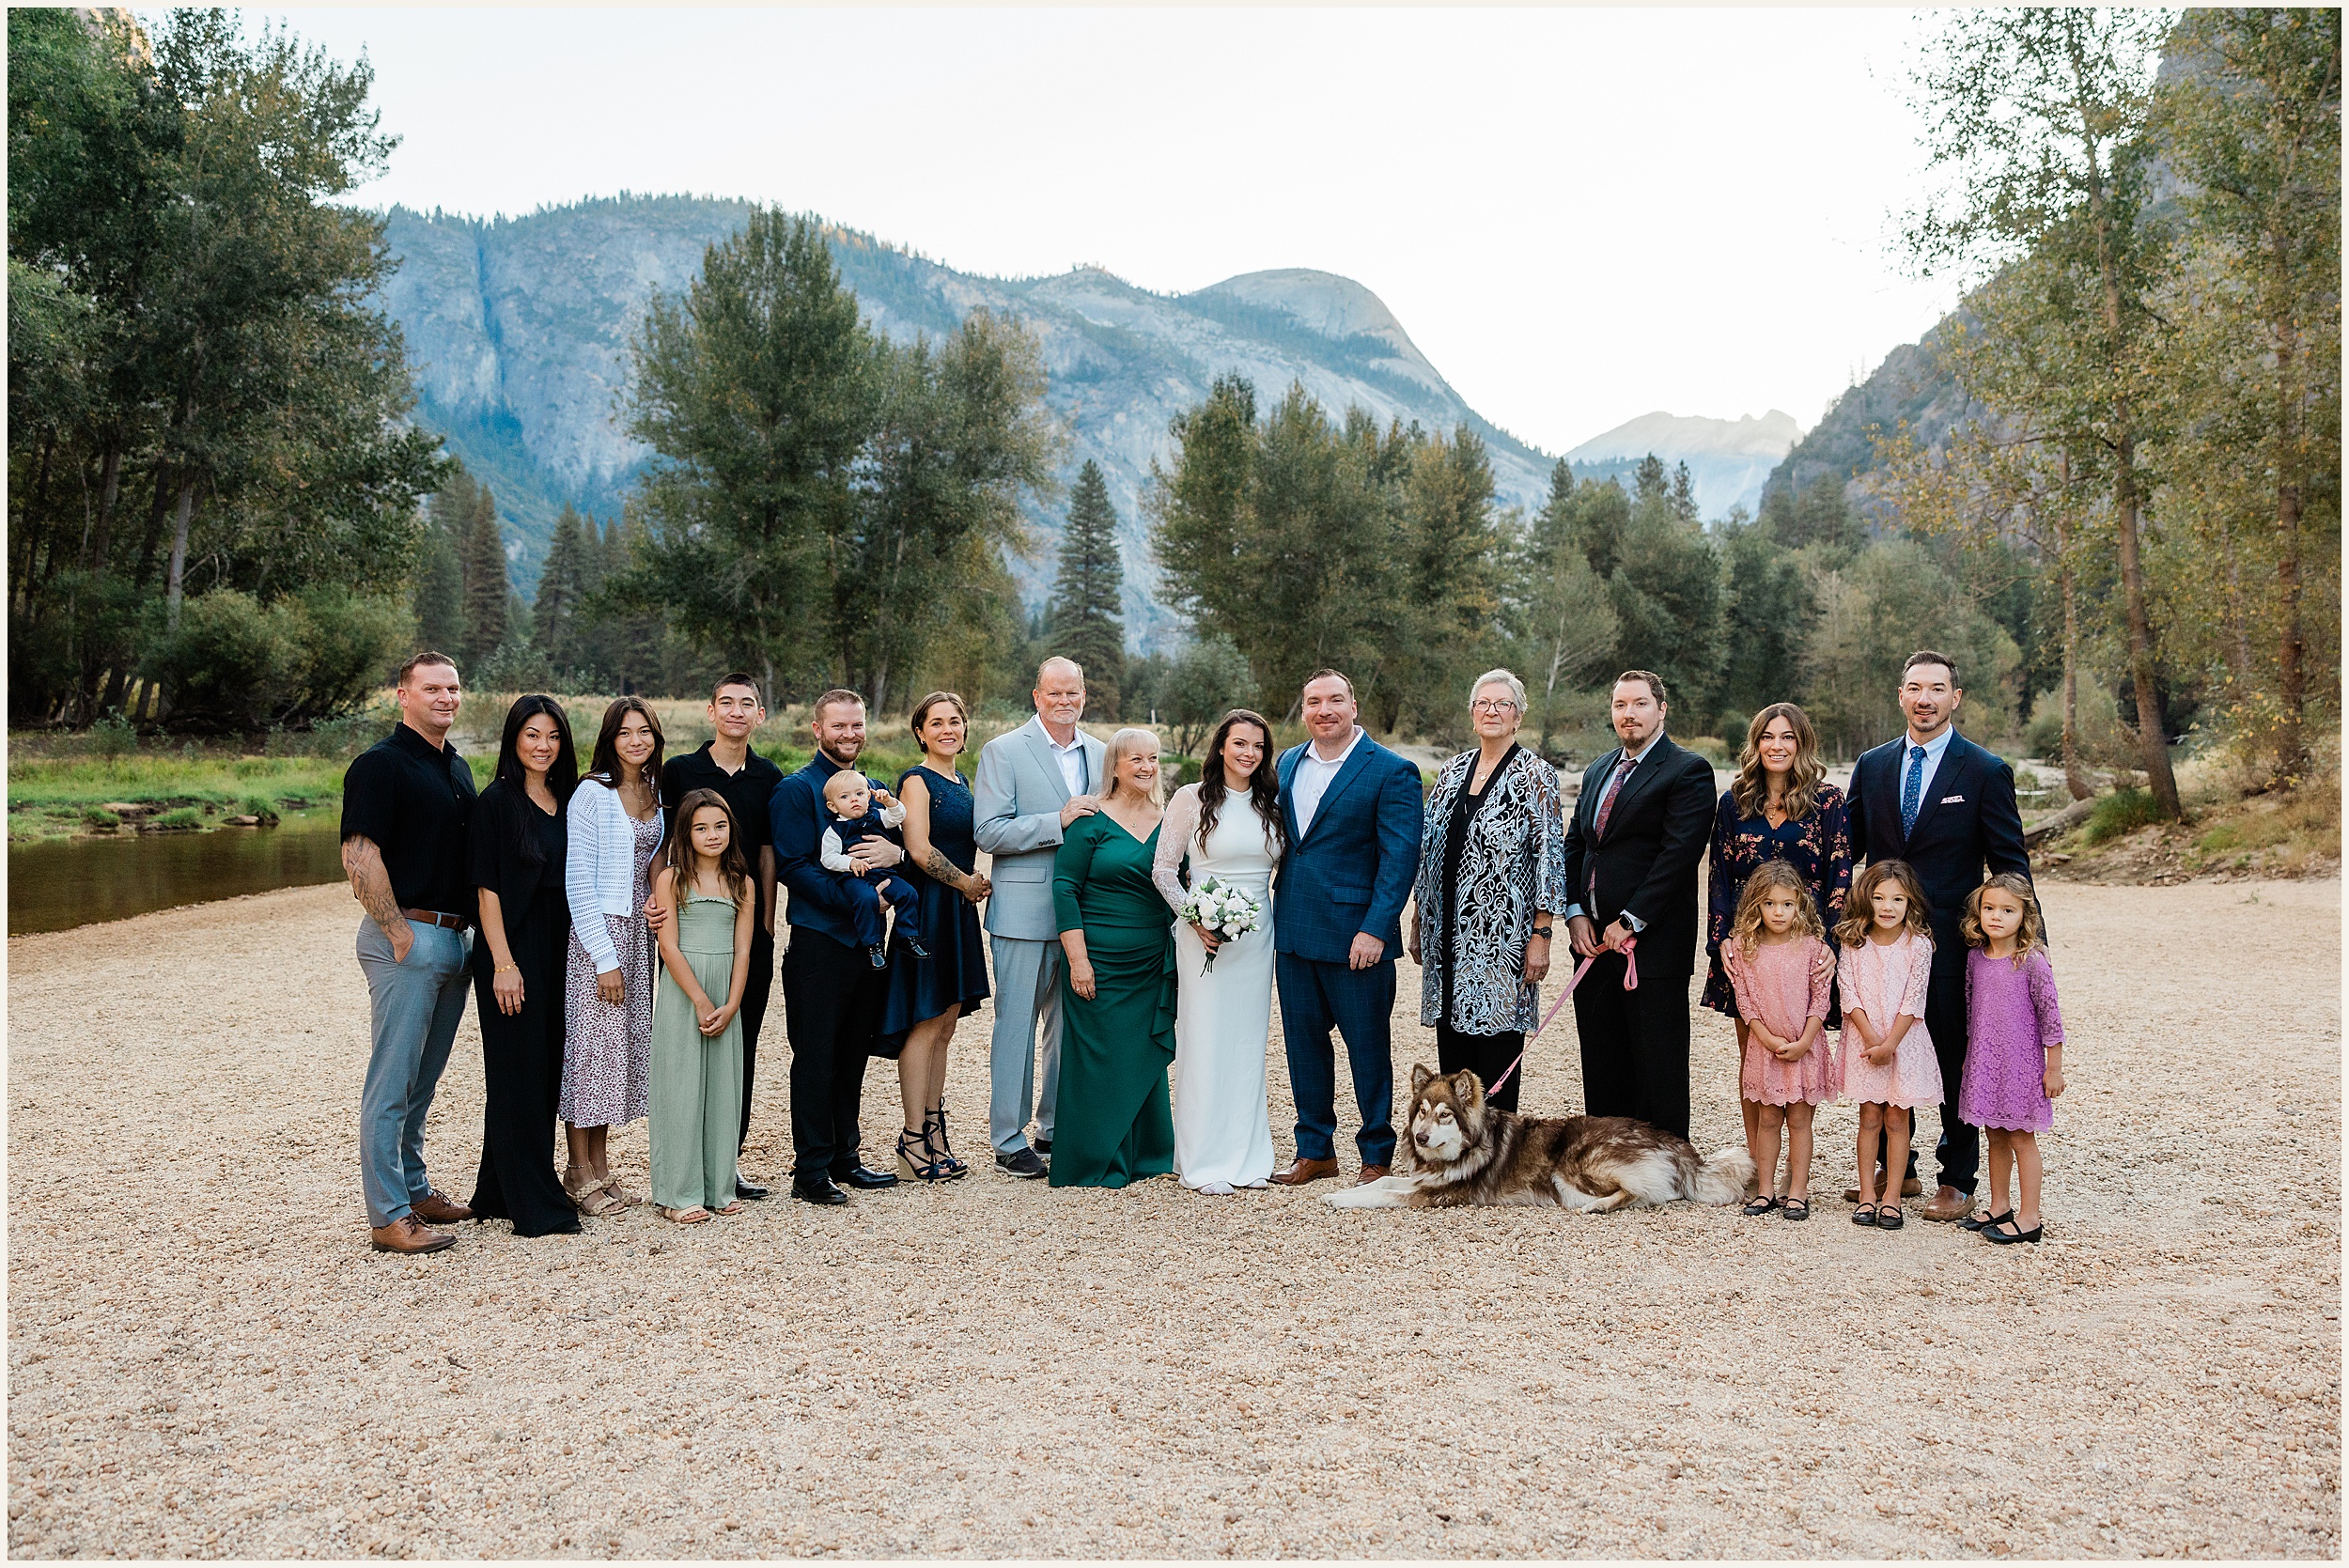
[(618, 928)]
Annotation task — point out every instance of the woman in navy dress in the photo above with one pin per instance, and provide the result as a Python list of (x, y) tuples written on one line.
[(926, 996), (1779, 808)]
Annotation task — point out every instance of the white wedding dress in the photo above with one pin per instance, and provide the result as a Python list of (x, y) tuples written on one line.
[(1222, 1133)]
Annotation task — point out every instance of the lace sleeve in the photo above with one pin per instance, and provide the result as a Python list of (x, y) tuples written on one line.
[(1180, 826), (2040, 977)]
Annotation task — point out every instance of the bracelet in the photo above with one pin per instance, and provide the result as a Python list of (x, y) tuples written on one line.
[(503, 967)]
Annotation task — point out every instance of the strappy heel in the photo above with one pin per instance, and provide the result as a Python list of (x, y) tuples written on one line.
[(936, 1117), (928, 1169)]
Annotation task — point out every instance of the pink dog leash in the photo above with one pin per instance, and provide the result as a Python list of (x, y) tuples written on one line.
[(1630, 983)]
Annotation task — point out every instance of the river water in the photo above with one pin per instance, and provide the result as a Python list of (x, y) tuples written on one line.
[(61, 883)]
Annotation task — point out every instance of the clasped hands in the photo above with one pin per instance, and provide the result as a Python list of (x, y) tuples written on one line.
[(1583, 936)]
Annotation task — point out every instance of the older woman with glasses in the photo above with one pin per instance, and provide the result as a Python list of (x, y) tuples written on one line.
[(1492, 879)]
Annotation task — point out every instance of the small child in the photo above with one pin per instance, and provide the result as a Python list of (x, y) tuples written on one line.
[(1773, 960), (848, 795), (1885, 1055), (2013, 1048), (697, 1044)]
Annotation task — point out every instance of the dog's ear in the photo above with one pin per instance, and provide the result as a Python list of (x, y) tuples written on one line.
[(1419, 1076), (1468, 1090)]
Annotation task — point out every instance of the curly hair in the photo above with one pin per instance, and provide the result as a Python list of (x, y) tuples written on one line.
[(1745, 928), (1751, 790), (1860, 905), (1969, 924)]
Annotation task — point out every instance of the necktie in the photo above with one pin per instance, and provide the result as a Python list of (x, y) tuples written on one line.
[(1614, 787), (1913, 787)]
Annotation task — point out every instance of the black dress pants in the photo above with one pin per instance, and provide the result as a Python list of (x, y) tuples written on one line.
[(832, 1001), (1487, 1056), (754, 994), (1635, 1045)]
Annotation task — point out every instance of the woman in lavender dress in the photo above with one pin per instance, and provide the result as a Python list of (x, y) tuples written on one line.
[(616, 827)]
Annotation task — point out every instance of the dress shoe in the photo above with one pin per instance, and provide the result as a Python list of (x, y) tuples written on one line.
[(1851, 1194), (866, 1178), (1306, 1170), (405, 1235), (1910, 1185), (817, 1190), (438, 1209), (748, 1190), (1023, 1163), (1369, 1173), (1948, 1204)]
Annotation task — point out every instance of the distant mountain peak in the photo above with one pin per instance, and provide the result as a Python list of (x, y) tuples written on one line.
[(1772, 435)]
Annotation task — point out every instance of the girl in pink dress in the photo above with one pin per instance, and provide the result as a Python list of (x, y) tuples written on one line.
[(1885, 1055), (2013, 1048), (1778, 968)]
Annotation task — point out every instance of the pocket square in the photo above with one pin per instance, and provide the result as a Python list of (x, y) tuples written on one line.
[(1953, 800)]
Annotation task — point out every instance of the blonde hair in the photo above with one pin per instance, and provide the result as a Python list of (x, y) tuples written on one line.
[(1745, 929), (1125, 740), (1859, 904), (2026, 938), (1751, 790)]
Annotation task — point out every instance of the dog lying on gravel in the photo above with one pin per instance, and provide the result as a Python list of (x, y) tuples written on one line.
[(1468, 1153)]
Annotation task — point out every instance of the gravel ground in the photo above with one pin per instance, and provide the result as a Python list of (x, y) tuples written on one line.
[(204, 1358)]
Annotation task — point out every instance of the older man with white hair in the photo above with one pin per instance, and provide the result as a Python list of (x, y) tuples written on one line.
[(1031, 783)]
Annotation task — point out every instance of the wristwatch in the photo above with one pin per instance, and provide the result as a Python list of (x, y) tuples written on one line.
[(1542, 931)]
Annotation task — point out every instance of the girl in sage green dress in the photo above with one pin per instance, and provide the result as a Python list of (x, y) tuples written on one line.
[(697, 1042), (1113, 1124)]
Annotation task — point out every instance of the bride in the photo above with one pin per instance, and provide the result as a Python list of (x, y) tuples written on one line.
[(1228, 825)]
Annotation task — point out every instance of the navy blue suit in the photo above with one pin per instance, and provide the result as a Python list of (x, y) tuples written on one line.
[(1966, 820), (1349, 873)]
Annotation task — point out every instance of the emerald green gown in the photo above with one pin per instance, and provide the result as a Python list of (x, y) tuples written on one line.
[(1112, 1123)]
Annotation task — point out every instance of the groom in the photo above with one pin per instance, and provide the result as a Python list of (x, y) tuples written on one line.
[(1353, 812)]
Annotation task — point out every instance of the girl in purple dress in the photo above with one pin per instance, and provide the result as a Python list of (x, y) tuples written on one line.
[(2013, 1048)]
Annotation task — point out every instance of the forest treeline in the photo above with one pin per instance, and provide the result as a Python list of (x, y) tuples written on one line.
[(221, 518)]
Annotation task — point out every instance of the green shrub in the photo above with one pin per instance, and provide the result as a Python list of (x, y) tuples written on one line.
[(186, 816), (2122, 811), (515, 666), (261, 806), (114, 735), (237, 664), (97, 817), (2225, 836)]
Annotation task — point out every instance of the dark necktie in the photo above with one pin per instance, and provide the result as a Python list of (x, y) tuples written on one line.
[(1912, 788), (1614, 787)]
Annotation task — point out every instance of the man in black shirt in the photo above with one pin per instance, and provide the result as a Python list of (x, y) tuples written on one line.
[(747, 782), (406, 803)]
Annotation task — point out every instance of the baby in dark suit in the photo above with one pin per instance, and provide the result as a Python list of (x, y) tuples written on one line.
[(849, 796)]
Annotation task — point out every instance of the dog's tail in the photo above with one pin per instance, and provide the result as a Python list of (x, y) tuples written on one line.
[(1721, 1178)]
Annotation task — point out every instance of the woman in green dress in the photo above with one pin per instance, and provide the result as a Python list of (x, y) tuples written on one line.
[(1112, 1125)]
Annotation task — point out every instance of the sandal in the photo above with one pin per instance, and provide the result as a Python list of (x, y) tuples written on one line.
[(593, 1201), (694, 1216), (922, 1169), (1794, 1208), (937, 1117), (1864, 1215), (1759, 1205), (1889, 1218), (1984, 1221), (731, 1209), (624, 1198)]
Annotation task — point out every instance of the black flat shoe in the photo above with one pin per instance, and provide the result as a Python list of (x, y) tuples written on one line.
[(1864, 1215), (1794, 1208), (2005, 1235), (817, 1189), (914, 947), (1984, 1221), (877, 957), (1889, 1218), (1758, 1205), (865, 1177)]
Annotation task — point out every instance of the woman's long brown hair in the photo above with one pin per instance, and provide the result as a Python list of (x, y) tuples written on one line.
[(1751, 790), (677, 854), (1264, 785), (605, 768)]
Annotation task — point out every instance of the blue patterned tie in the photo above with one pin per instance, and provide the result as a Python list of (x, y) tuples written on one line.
[(1912, 789)]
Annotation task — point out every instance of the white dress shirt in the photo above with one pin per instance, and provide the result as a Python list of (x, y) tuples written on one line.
[(1933, 750), (1311, 781), (1634, 922), (1071, 758)]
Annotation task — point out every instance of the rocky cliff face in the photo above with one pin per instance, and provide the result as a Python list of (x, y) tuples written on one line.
[(518, 329), (1728, 458), (1911, 387)]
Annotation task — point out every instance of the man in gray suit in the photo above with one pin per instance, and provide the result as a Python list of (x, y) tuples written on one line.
[(1031, 784)]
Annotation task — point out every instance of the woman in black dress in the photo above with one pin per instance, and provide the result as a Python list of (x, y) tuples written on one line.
[(927, 995), (518, 850)]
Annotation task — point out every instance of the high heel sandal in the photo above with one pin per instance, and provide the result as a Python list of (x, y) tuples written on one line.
[(936, 1117), (928, 1170)]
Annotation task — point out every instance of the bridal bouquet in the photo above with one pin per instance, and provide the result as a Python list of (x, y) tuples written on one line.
[(1225, 911)]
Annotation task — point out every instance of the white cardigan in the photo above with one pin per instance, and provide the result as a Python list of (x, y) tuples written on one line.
[(600, 872)]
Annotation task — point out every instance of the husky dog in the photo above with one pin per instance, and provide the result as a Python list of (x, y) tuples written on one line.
[(1467, 1152)]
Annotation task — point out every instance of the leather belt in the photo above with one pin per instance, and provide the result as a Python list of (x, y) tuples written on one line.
[(433, 917)]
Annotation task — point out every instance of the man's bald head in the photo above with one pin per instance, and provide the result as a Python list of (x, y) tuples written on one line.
[(1056, 665)]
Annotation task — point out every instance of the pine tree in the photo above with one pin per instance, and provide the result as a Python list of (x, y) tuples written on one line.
[(1087, 625), (555, 615), (1684, 493), (486, 588)]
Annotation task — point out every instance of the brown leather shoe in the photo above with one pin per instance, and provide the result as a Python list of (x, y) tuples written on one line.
[(1369, 1173), (1306, 1170), (1910, 1187), (1948, 1204), (438, 1209), (405, 1235)]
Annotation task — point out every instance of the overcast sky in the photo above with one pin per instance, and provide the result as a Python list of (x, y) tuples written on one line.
[(1578, 215)]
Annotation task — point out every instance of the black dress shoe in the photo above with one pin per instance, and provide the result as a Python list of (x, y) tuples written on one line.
[(1041, 1145), (817, 1190), (748, 1190), (1023, 1163), (867, 1178)]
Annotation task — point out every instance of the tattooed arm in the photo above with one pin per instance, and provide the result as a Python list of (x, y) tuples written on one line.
[(371, 885), (922, 852)]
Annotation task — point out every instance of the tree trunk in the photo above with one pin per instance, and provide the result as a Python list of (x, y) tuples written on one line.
[(182, 511), (2074, 780), (157, 510), (2292, 757)]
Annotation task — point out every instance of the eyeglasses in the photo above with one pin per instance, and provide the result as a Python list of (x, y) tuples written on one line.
[(1494, 705)]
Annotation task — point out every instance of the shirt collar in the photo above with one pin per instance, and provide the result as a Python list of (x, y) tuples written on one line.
[(1339, 760), (406, 737), (1934, 748), (1074, 741), (1647, 745)]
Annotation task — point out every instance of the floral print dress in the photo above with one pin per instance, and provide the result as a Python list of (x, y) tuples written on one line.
[(1818, 848)]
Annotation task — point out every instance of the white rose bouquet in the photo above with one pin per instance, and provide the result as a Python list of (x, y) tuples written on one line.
[(1224, 912)]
